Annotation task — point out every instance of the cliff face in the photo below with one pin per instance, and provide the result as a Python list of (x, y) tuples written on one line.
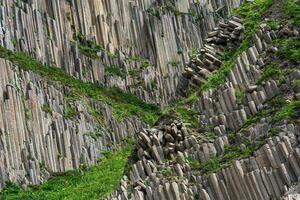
[(210, 97), (45, 130), (139, 46), (242, 149)]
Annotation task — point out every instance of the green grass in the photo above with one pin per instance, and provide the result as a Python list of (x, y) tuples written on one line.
[(187, 116), (183, 113), (123, 104), (292, 11), (115, 71), (90, 183), (88, 47), (289, 49), (273, 70), (70, 112), (46, 108), (240, 95), (251, 21), (290, 111), (274, 24)]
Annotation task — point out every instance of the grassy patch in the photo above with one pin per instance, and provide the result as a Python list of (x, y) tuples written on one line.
[(115, 71), (289, 49), (240, 95), (273, 70), (88, 47), (123, 104), (292, 11), (290, 111), (183, 113), (90, 183), (46, 108), (274, 24), (71, 112)]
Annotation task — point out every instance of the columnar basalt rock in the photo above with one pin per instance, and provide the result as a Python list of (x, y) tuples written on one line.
[(142, 39), (37, 135), (228, 34), (222, 105), (267, 174), (156, 50)]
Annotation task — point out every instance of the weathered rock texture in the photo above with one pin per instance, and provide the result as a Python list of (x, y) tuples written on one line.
[(158, 175), (147, 40), (221, 106), (39, 137), (165, 166), (142, 46)]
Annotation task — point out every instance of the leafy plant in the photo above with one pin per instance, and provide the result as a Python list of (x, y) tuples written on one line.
[(115, 71), (46, 108)]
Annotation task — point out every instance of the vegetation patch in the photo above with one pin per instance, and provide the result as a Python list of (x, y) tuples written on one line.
[(290, 111), (115, 71), (240, 95), (46, 108), (88, 47), (273, 70), (87, 183), (185, 114), (292, 11), (289, 49), (70, 112)]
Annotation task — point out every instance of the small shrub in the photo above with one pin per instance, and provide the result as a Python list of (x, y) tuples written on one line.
[(115, 71), (46, 108)]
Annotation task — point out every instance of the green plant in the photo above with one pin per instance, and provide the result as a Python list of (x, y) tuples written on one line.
[(289, 49), (271, 70), (274, 24), (167, 172), (115, 71), (194, 53), (182, 113), (290, 111), (240, 95), (292, 11), (95, 135), (70, 112), (46, 108)]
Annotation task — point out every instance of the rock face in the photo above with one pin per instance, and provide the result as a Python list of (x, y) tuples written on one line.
[(42, 129), (222, 106), (175, 162), (148, 40), (228, 34), (158, 50), (162, 171), (39, 136)]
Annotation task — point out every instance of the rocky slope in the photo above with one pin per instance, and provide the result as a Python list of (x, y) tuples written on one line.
[(139, 46), (227, 85)]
